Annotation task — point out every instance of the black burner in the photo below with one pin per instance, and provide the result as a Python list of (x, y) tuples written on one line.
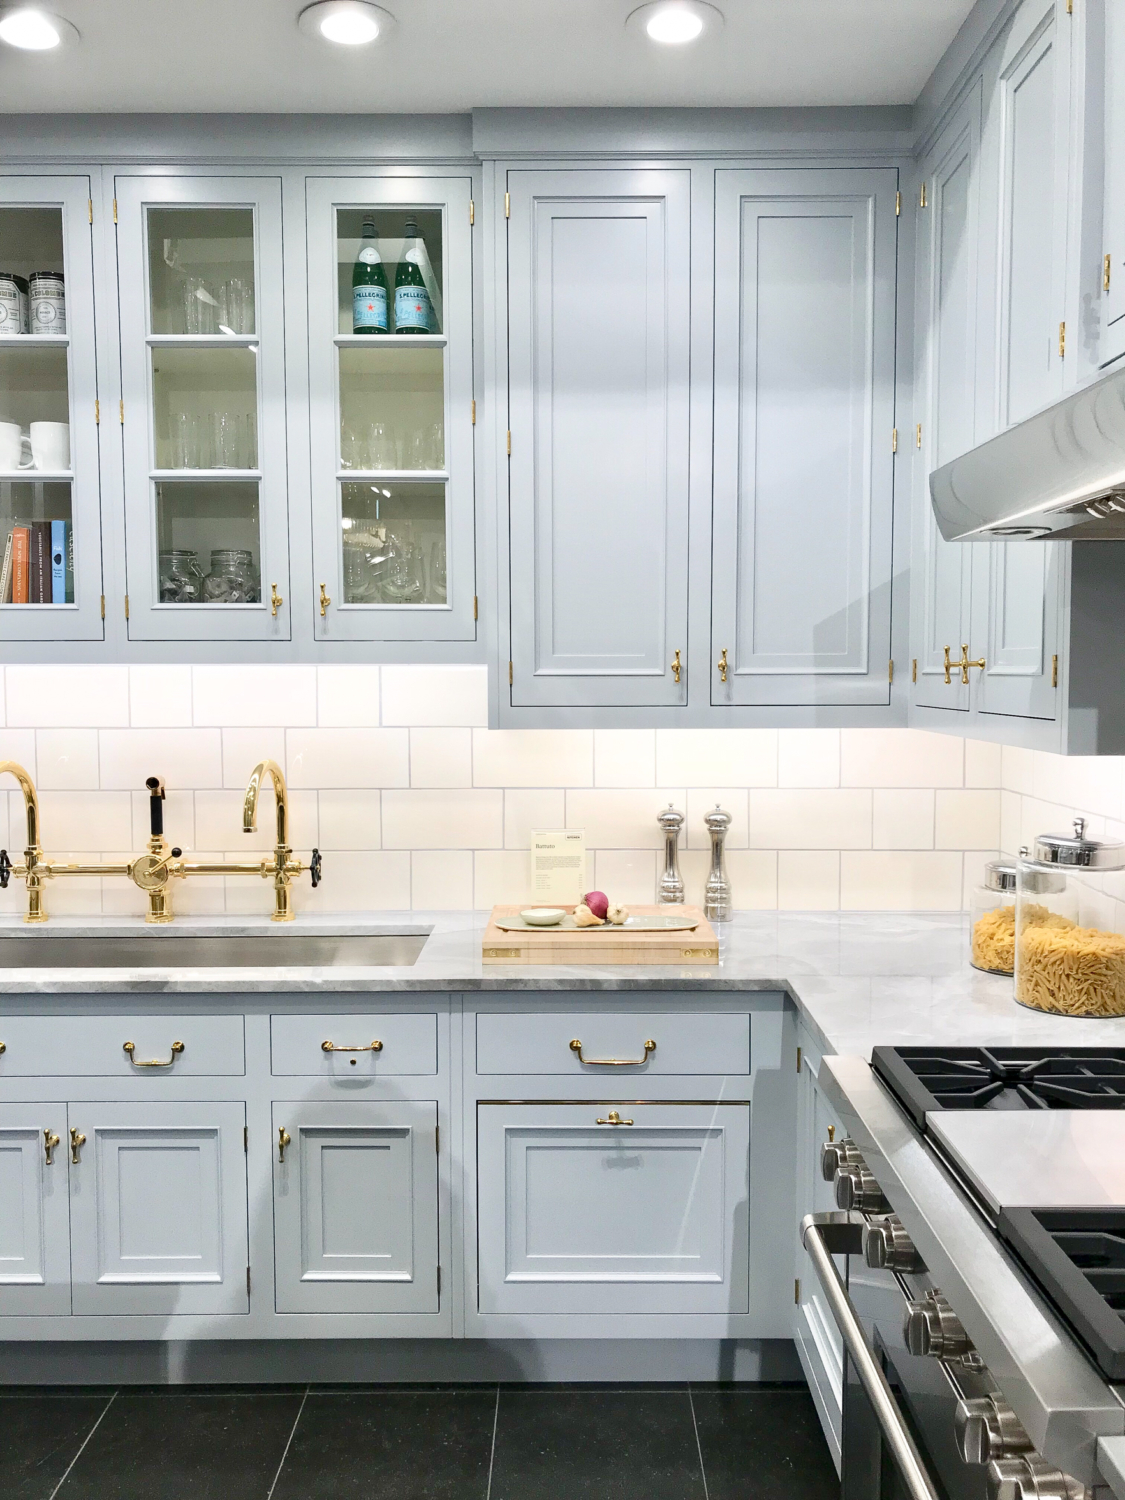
[(928, 1079)]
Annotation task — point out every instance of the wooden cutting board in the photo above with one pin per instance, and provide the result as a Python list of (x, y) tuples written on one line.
[(601, 945)]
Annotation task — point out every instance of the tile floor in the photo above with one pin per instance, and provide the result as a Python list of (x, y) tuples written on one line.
[(414, 1443)]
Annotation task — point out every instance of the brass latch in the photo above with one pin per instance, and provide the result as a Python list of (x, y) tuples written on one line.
[(276, 601), (722, 665), (283, 1139), (324, 601), (965, 664), (676, 667)]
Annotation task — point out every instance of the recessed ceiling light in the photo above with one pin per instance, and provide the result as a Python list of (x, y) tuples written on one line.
[(674, 22), (349, 23), (34, 30)]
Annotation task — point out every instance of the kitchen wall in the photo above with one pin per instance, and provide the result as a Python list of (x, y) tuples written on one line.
[(416, 803)]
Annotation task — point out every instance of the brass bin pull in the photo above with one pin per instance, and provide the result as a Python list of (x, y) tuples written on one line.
[(77, 1141), (154, 1062), (613, 1119), (50, 1141), (375, 1046), (283, 1139), (613, 1062)]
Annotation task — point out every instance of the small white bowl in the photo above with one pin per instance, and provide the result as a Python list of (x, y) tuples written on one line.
[(543, 916)]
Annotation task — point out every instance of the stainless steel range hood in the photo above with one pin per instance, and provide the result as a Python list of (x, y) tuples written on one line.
[(1058, 475)]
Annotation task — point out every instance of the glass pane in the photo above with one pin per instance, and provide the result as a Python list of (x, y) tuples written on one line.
[(393, 539), (204, 407), (407, 244), (201, 270), (38, 543), (34, 408), (392, 408), (32, 283), (209, 540)]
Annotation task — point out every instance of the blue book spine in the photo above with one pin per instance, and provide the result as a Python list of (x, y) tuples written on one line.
[(58, 562)]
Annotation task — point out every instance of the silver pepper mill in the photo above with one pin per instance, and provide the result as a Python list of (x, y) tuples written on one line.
[(671, 887), (716, 905)]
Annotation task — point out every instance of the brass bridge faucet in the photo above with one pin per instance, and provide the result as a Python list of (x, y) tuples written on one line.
[(154, 871)]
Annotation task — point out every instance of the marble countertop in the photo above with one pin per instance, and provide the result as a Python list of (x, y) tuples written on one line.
[(859, 979)]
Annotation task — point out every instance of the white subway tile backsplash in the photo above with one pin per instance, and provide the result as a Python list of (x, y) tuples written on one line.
[(903, 819), (438, 819), (808, 880), (625, 757), (626, 875), (441, 879), (18, 745), (348, 757), (967, 820), (808, 757), (885, 880), (620, 819), (245, 696), (67, 759), (753, 879), (702, 800), (49, 697), (975, 861), (1011, 810), (441, 757), (186, 758), (86, 821), (901, 757), (533, 757), (218, 822), (74, 895), (160, 697), (435, 695), (525, 810), (350, 820), (983, 763), (716, 757), (1092, 783), (827, 818), (243, 749), (1017, 769), (501, 877), (348, 697), (179, 821), (356, 880)]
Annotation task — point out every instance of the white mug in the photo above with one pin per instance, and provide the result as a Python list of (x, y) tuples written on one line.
[(13, 444), (50, 445)]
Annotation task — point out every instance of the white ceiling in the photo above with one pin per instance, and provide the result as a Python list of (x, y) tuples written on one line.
[(451, 55)]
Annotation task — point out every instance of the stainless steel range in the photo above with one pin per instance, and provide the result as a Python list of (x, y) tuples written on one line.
[(982, 1297)]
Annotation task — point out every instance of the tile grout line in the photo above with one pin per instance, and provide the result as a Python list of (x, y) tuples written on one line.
[(698, 1444), (492, 1450), (288, 1443), (82, 1449)]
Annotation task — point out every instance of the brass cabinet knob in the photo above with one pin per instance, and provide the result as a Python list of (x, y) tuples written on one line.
[(722, 665), (276, 601)]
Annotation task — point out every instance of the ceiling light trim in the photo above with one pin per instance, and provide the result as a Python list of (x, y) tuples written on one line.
[(65, 30), (311, 21), (709, 18)]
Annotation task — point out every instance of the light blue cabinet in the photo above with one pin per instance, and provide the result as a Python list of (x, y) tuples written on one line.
[(1113, 262), (598, 273), (805, 278), (34, 1211)]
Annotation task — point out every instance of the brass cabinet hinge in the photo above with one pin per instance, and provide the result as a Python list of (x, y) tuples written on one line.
[(509, 442), (1105, 272), (126, 606), (476, 611), (898, 204), (918, 435), (1054, 671), (1062, 340), (894, 439), (474, 409), (890, 671), (437, 1140), (922, 201), (439, 1281), (103, 606), (245, 1138), (472, 213), (90, 209), (507, 205), (914, 670), (115, 210), (121, 412), (1070, 7), (97, 413), (248, 1281), (509, 674), (798, 1059), (797, 1291)]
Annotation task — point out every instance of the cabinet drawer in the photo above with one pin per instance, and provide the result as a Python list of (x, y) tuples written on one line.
[(613, 1045), (361, 1045), (95, 1046)]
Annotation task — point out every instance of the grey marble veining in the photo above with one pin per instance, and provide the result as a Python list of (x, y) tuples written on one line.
[(859, 979)]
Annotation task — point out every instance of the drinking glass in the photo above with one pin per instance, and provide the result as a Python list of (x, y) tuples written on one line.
[(438, 579), (417, 451), (240, 305), (436, 455), (381, 446), (181, 441)]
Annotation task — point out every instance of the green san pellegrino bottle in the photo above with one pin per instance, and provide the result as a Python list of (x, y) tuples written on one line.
[(414, 311), (369, 285)]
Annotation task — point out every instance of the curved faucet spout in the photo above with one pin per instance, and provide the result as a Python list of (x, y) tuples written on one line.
[(30, 799), (271, 769)]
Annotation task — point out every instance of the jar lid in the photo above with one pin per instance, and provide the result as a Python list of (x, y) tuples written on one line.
[(1000, 875), (1076, 851), (1003, 875)]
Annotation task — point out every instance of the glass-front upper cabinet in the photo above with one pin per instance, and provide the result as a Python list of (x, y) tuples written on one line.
[(50, 523), (202, 369), (391, 382)]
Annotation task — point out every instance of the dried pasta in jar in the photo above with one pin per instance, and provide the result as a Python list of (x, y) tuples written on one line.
[(1071, 971)]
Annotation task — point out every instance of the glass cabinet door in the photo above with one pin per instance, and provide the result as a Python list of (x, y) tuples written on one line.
[(202, 360), (391, 381), (50, 522)]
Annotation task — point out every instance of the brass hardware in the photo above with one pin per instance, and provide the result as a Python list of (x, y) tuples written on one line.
[(894, 439), (474, 408), (332, 1047), (77, 1141), (437, 1140), (613, 1062), (676, 667), (922, 197), (282, 868), (126, 606), (507, 205), (501, 953), (246, 1138), (1054, 671), (712, 953), (121, 412), (918, 436), (115, 210), (1062, 340), (831, 1132), (965, 664), (103, 606), (276, 601), (898, 204), (324, 601), (439, 1281), (472, 213), (914, 669), (613, 1119), (283, 1139), (50, 1141), (948, 665), (476, 611), (97, 413), (1105, 273), (798, 1059), (34, 869), (155, 1062), (509, 674), (1070, 7), (3, 1046), (509, 442), (890, 671), (90, 209), (797, 1290), (722, 666), (248, 1281)]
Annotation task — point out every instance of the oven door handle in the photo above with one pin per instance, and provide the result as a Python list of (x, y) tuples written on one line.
[(825, 1235)]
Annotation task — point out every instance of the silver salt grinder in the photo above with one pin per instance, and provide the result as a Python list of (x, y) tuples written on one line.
[(671, 887), (716, 905)]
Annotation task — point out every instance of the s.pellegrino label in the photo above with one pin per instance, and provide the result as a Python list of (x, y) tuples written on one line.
[(369, 285), (414, 312)]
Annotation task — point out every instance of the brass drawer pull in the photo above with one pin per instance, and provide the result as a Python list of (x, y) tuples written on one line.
[(50, 1141), (613, 1062), (77, 1141), (283, 1139), (613, 1119), (155, 1062), (332, 1047)]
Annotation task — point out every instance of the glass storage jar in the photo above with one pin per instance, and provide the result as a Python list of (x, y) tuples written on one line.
[(181, 577), (1070, 947), (232, 579), (992, 919)]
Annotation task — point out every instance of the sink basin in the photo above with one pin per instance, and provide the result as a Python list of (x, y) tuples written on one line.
[(182, 951)]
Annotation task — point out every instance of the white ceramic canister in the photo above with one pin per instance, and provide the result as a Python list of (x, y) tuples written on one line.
[(13, 304), (47, 297)]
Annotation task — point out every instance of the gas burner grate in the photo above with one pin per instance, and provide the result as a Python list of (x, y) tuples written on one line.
[(928, 1079)]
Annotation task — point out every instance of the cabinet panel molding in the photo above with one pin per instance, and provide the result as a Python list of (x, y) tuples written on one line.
[(34, 1211)]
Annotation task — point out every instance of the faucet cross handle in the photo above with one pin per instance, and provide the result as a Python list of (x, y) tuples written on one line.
[(5, 869), (314, 868)]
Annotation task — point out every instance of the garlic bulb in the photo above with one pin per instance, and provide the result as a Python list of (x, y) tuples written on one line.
[(617, 915), (584, 917)]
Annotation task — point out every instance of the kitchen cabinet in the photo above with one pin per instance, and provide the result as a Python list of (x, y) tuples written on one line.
[(805, 279), (34, 1211), (598, 319), (1113, 230), (49, 410)]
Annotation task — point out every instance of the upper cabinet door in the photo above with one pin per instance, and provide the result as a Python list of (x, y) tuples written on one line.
[(947, 386), (50, 514), (804, 414), (203, 421), (1113, 272), (391, 376), (598, 325)]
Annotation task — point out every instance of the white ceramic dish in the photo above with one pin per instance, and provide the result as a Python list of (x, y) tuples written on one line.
[(543, 916)]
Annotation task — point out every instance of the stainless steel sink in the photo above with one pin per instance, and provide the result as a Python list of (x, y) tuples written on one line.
[(180, 950)]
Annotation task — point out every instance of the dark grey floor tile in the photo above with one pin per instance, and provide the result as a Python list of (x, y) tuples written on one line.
[(763, 1445), (595, 1445), (391, 1445), (39, 1435), (198, 1447)]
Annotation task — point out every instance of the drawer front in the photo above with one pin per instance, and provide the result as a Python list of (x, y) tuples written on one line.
[(360, 1046), (613, 1045), (95, 1046)]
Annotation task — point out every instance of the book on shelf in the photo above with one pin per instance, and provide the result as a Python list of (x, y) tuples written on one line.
[(59, 554), (70, 562), (6, 573), (39, 563), (21, 553)]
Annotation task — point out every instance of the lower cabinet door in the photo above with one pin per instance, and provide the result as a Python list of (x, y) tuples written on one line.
[(34, 1212), (613, 1208), (158, 1208), (356, 1207)]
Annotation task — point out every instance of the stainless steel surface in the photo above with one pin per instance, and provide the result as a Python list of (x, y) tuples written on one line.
[(837, 1154), (932, 1330), (819, 1239), (1077, 852), (857, 1188), (717, 896), (156, 951), (1029, 1477), (1000, 875), (1050, 1158), (1053, 1389), (888, 1247), (671, 887), (1060, 473), (987, 1428)]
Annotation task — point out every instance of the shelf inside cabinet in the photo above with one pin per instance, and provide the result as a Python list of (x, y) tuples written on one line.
[(34, 340), (391, 340)]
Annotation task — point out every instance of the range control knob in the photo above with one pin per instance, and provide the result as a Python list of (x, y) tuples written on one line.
[(837, 1154), (987, 1428), (1030, 1477), (888, 1247), (856, 1188), (931, 1327)]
